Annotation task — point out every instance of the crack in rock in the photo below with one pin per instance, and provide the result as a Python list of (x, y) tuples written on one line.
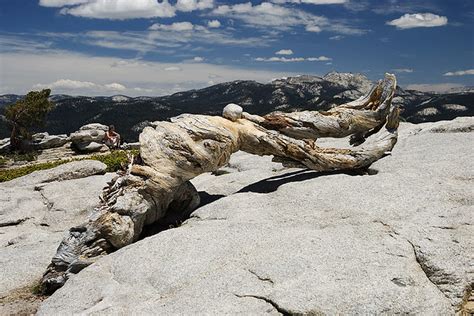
[(261, 278), (46, 201), (200, 219), (279, 309), (388, 226), (283, 311), (14, 222), (444, 227), (426, 270)]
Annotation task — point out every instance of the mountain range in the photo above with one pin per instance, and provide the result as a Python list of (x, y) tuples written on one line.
[(131, 114)]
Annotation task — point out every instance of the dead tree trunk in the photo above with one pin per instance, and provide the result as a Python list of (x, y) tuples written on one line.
[(175, 152)]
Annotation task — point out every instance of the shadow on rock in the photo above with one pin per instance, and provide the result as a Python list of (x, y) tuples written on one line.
[(273, 183), (207, 198)]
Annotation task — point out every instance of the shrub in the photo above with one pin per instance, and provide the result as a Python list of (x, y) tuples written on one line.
[(115, 161), (10, 174), (17, 156)]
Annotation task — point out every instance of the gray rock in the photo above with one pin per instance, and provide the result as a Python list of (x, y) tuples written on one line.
[(90, 147), (94, 126), (46, 141), (232, 111), (349, 94), (89, 138), (350, 81), (68, 171), (458, 125), (36, 210), (70, 201), (25, 251), (399, 241), (4, 145)]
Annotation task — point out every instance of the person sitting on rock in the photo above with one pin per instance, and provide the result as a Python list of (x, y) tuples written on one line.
[(112, 138)]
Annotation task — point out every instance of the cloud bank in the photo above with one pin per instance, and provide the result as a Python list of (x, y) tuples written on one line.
[(126, 9), (460, 73), (88, 75)]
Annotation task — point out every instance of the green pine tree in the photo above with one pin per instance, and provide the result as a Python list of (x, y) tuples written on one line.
[(27, 113)]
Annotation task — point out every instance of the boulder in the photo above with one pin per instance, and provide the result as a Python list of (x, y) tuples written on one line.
[(232, 111), (90, 147), (46, 141), (397, 240), (89, 138), (94, 126), (35, 211)]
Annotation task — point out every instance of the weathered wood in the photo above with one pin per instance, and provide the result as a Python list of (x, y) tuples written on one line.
[(175, 152), (358, 117)]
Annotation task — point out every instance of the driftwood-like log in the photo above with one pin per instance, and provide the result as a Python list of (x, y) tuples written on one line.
[(173, 153)]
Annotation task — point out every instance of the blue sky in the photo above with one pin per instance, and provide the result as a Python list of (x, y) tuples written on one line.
[(150, 47)]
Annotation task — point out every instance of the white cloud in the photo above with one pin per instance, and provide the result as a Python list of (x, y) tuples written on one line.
[(122, 9), (214, 24), (192, 5), (403, 70), (311, 1), (313, 28), (269, 15), (15, 43), (115, 86), (142, 90), (68, 85), (460, 73), (135, 41), (198, 59), (336, 38), (320, 58), (21, 71), (126, 9), (409, 21), (173, 68), (160, 38), (292, 59), (284, 52), (438, 88), (281, 59), (177, 26), (60, 3)]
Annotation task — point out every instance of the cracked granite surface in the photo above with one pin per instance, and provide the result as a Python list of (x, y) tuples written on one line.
[(292, 242)]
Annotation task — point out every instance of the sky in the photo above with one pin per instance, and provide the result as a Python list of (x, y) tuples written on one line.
[(159, 47)]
